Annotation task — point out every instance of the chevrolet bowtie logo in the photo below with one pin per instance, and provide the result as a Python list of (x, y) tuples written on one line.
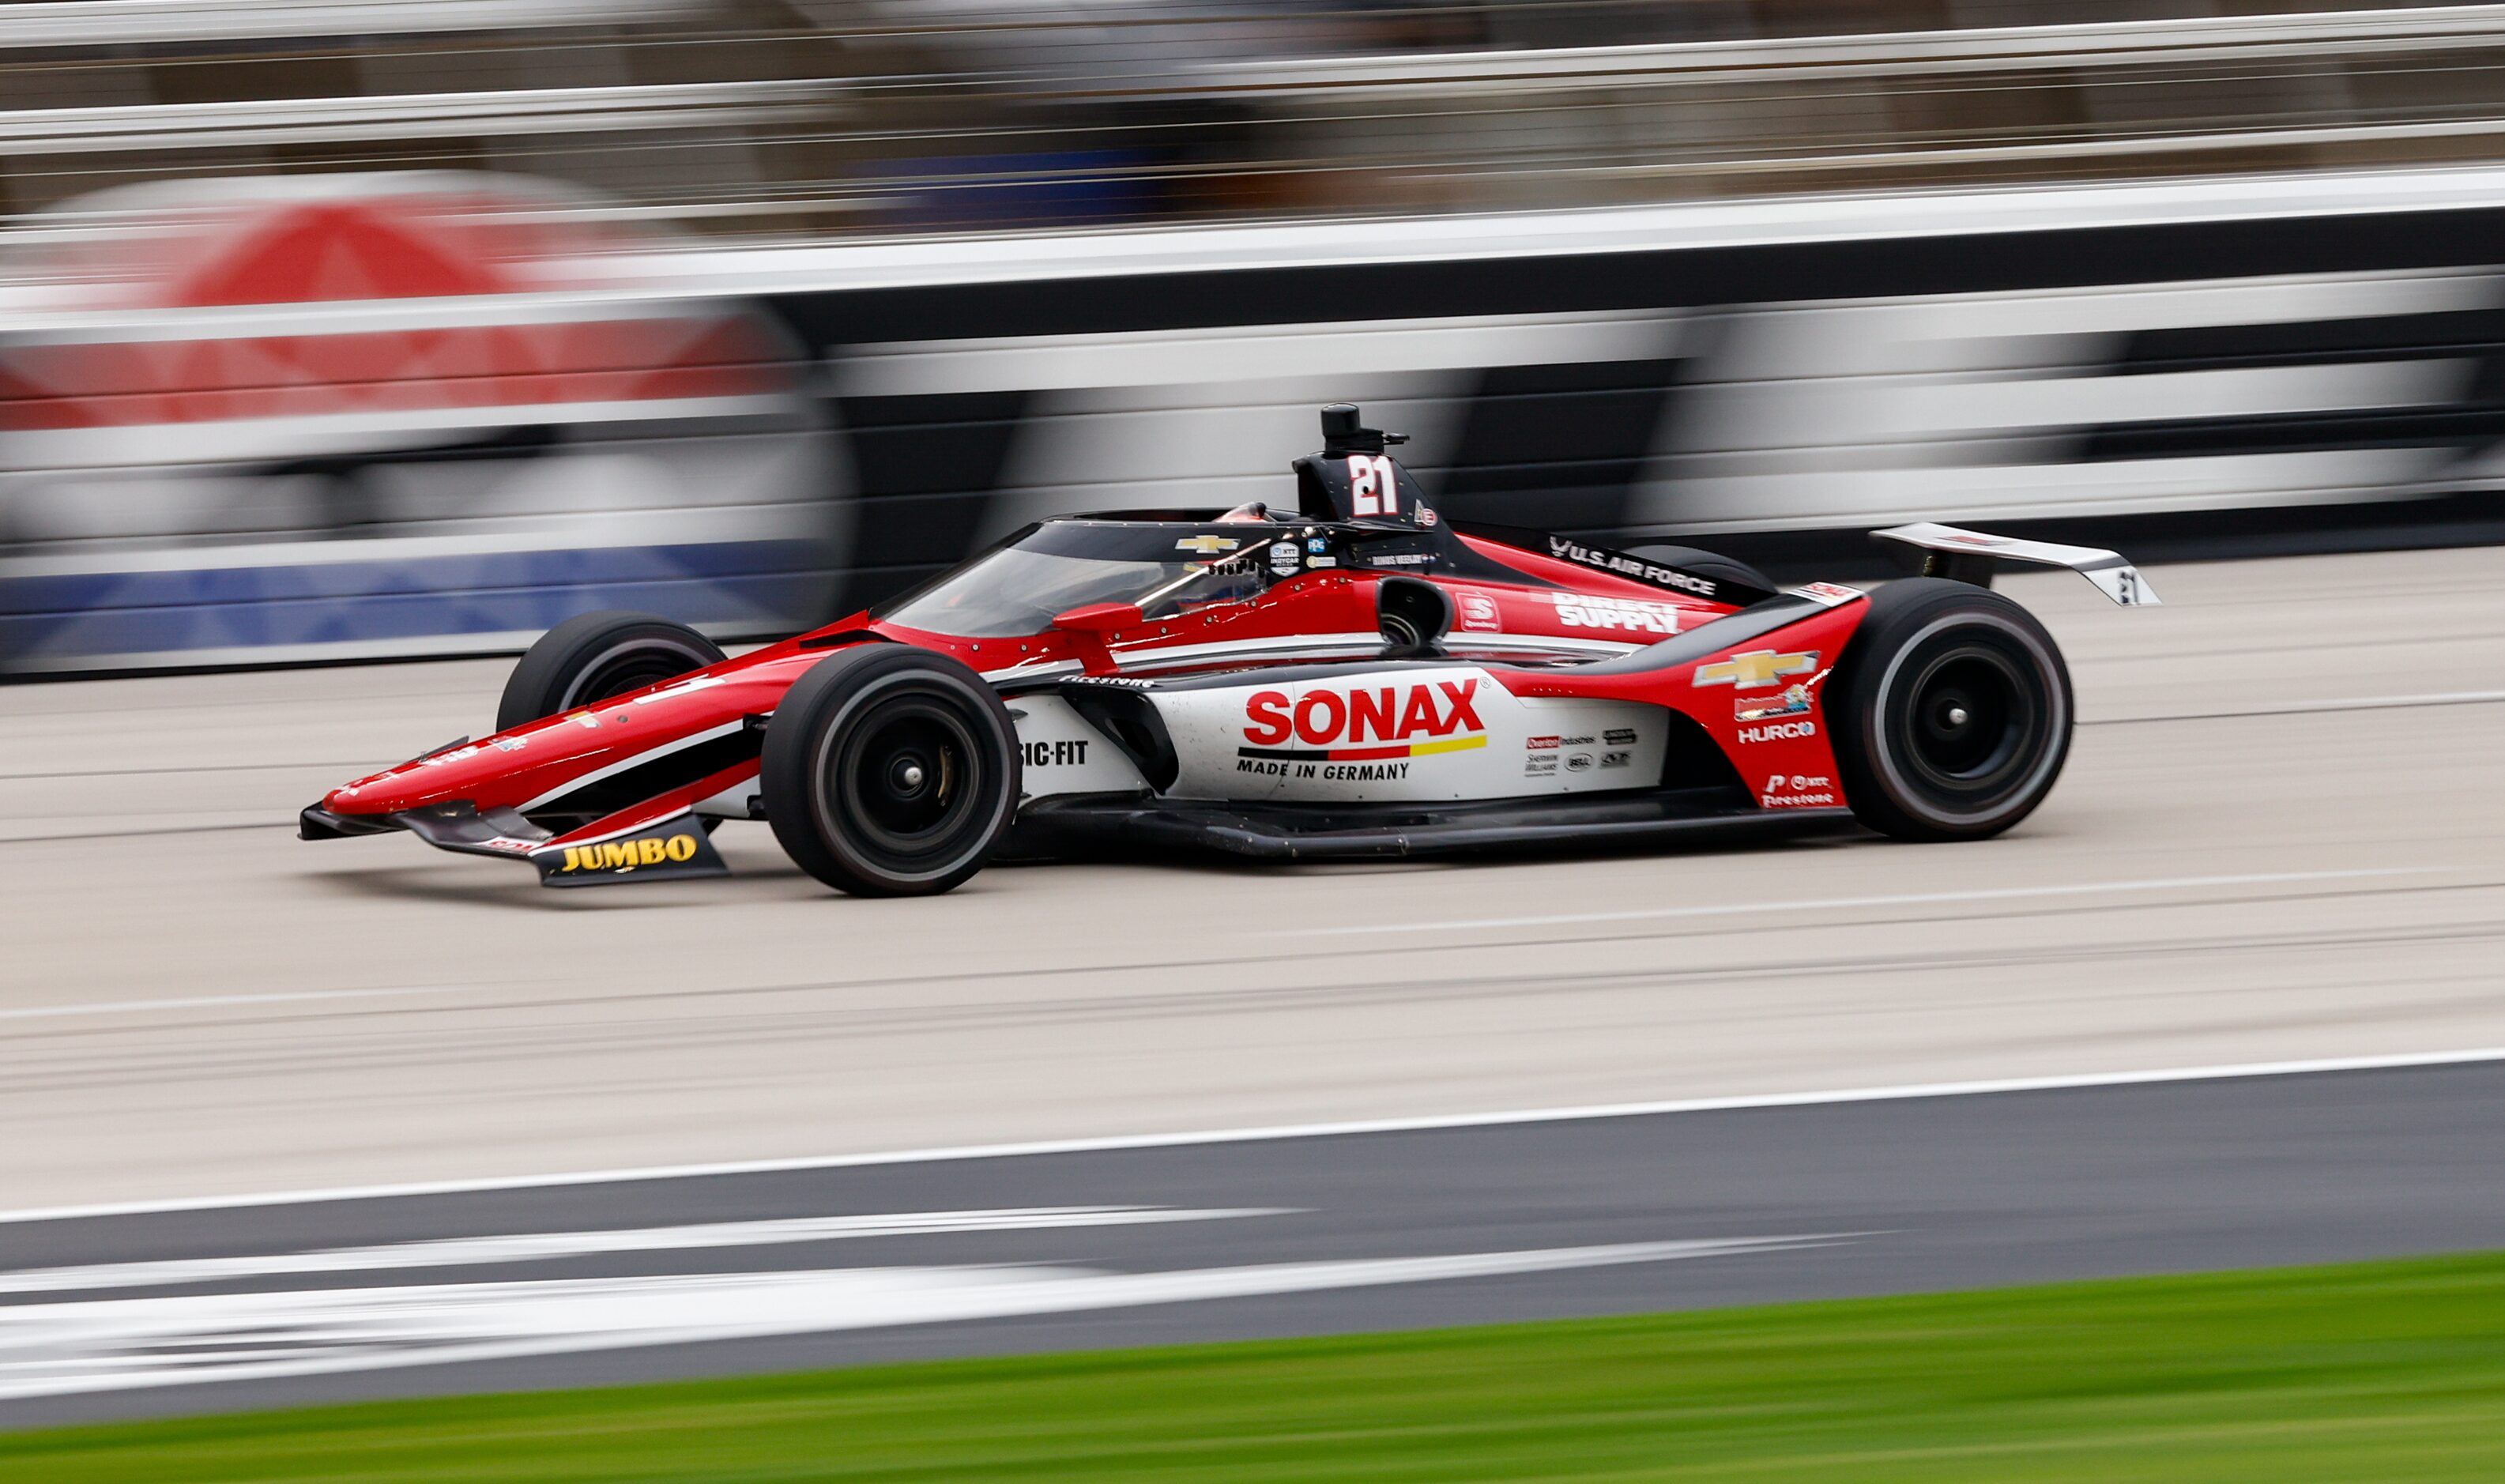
[(1206, 545), (1758, 667)]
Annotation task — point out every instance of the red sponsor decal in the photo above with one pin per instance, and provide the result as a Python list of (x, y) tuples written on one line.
[(1398, 715), (1829, 593)]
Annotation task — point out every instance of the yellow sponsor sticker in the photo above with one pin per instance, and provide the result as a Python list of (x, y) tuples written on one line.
[(1755, 668), (623, 856)]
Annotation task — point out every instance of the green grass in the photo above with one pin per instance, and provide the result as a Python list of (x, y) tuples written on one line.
[(2375, 1371)]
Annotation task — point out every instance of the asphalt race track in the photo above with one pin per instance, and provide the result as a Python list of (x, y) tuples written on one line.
[(2278, 838), (2277, 841), (701, 1274)]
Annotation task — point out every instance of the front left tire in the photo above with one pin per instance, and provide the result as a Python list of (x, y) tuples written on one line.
[(891, 771)]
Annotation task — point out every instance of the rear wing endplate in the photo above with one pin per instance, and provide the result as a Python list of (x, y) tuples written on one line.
[(1966, 556)]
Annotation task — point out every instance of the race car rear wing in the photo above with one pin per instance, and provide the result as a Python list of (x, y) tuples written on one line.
[(1968, 556)]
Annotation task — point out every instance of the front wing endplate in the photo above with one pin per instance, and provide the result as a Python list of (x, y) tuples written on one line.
[(674, 849)]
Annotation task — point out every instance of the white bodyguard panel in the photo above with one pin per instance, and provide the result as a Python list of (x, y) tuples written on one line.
[(1061, 753), (1403, 734)]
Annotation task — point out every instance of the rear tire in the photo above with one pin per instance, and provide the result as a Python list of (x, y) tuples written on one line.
[(891, 771), (1951, 712), (593, 658)]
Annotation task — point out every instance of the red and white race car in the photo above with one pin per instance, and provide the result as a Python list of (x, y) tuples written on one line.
[(1354, 677)]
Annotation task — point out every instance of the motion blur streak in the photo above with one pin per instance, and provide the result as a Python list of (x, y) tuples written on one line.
[(343, 330), (350, 328), (115, 1344), (576, 1283), (1004, 115), (553, 1245)]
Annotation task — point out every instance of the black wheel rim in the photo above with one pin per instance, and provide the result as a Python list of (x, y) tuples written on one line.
[(1972, 720), (909, 778)]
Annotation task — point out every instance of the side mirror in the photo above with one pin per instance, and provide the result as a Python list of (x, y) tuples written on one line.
[(1100, 618)]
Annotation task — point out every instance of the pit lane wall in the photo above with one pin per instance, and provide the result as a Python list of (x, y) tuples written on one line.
[(331, 464)]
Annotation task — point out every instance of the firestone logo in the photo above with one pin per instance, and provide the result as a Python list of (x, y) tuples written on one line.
[(1797, 791)]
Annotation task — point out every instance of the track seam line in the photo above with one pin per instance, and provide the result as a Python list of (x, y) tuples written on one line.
[(1424, 1123), (1849, 904), (2315, 708), (75, 1011), (136, 834)]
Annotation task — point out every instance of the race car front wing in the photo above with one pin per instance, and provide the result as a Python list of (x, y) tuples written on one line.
[(674, 847)]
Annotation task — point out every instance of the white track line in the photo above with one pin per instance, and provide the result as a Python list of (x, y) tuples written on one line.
[(214, 1001), (1569, 919), (500, 1249), (1833, 903), (1119, 1142), (2306, 708), (116, 1344)]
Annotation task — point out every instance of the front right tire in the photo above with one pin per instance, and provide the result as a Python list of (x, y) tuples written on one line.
[(591, 657), (1951, 712), (891, 771)]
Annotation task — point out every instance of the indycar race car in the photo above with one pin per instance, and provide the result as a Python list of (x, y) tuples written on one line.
[(1352, 677)]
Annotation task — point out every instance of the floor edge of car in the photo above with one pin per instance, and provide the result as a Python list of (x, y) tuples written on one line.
[(1093, 824)]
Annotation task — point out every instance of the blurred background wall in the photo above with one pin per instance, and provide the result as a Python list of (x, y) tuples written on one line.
[(346, 328)]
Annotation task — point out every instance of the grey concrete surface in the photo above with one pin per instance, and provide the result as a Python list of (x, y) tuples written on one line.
[(2278, 837), (1788, 1202)]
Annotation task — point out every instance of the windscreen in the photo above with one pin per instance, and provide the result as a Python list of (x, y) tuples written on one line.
[(1168, 570)]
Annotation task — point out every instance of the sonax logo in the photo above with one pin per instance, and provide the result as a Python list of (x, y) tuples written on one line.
[(1361, 723)]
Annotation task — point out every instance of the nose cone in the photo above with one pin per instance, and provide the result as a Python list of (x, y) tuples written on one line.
[(495, 771), (452, 772), (699, 721)]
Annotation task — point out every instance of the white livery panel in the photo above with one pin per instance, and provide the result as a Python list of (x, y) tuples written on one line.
[(1409, 733), (1061, 753)]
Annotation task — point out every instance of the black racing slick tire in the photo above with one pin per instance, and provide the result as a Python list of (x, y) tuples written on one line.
[(597, 655), (891, 771), (1951, 712), (1713, 564)]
